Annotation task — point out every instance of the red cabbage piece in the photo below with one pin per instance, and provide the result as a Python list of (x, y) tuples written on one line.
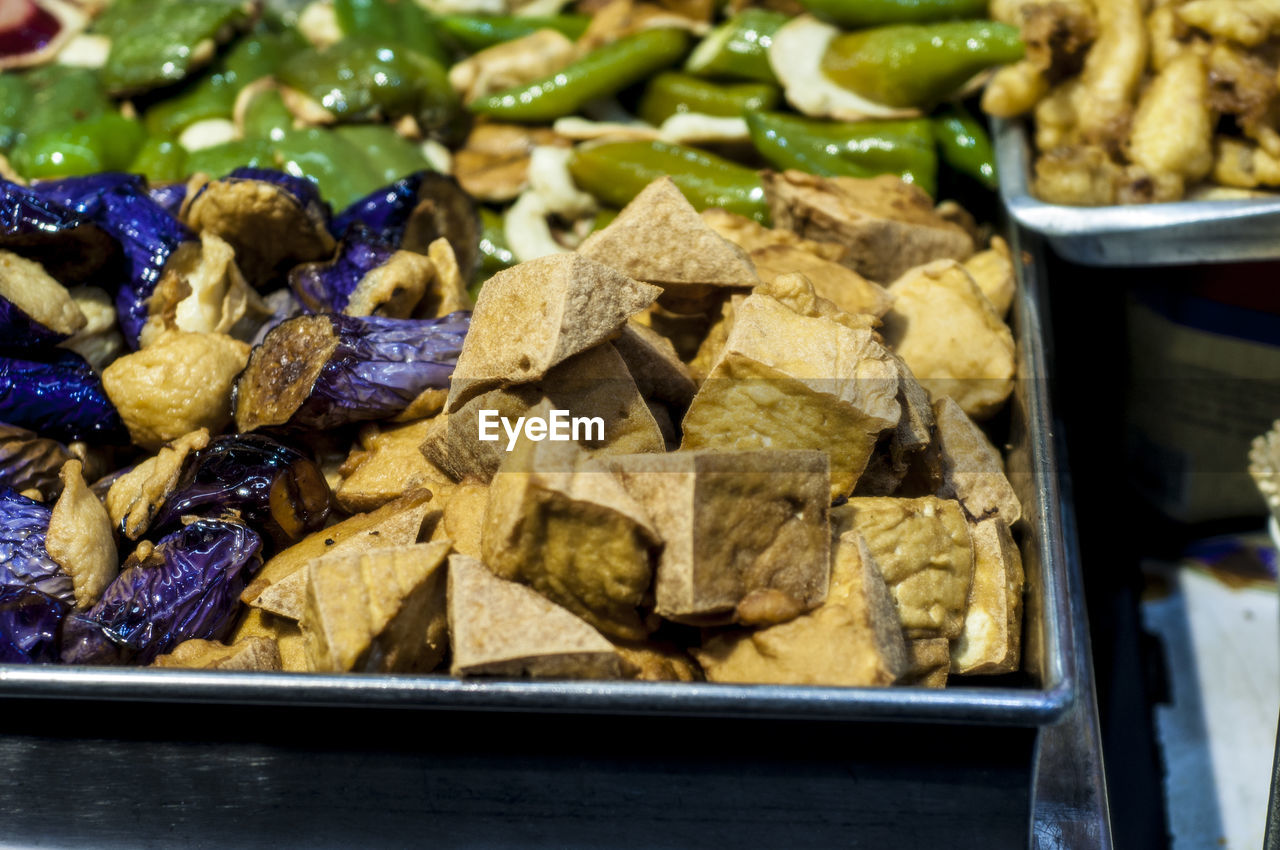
[(327, 370), (188, 587), (147, 233), (327, 287), (276, 489), (70, 246), (414, 211), (56, 393)]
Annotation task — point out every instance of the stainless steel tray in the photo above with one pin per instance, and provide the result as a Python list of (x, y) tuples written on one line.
[(1050, 651), (1182, 233)]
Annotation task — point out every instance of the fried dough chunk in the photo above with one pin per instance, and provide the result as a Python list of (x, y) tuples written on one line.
[(533, 316), (1246, 22), (1078, 176), (654, 365), (970, 469), (494, 163), (501, 628), (786, 381), (657, 662), (991, 641), (79, 538), (993, 271), (382, 610), (950, 335), (923, 549), (745, 533), (593, 384), (1112, 71), (1244, 165), (854, 639), (136, 496), (1173, 126), (386, 463), (660, 238), (248, 653), (887, 226), (572, 534), (257, 624)]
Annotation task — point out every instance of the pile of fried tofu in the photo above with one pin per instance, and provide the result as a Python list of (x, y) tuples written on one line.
[(792, 482)]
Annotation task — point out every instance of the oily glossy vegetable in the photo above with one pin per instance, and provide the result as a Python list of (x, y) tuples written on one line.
[(29, 625), (916, 65), (160, 161), (276, 489), (147, 233), (327, 370), (495, 253), (672, 93), (29, 461), (855, 14), (24, 523), (62, 96), (15, 100), (391, 23), (965, 145), (476, 32), (738, 49), (847, 149), (35, 310), (68, 244), (108, 142), (187, 587), (616, 172), (56, 393), (327, 287), (602, 72), (416, 210), (161, 42), (169, 196), (28, 33)]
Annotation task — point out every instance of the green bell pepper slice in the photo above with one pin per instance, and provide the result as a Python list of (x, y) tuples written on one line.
[(160, 161), (341, 169), (738, 49), (616, 172), (672, 92), (105, 143), (405, 23), (16, 95), (61, 97), (474, 33), (602, 72), (160, 43), (917, 65), (391, 154), (220, 160), (266, 117)]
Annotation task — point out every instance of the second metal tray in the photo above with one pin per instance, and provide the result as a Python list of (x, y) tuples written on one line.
[(1181, 233), (1042, 696)]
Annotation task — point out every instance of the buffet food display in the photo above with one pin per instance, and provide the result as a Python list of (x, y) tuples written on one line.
[(627, 342)]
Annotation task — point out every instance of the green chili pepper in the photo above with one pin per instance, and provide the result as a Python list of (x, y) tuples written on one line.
[(220, 160), (856, 14), (495, 253), (389, 152), (918, 64), (848, 149), (965, 145), (341, 169), (739, 48), (61, 97), (476, 32), (404, 23), (266, 116), (161, 161), (601, 72), (15, 102), (163, 41), (360, 80), (105, 143), (616, 172), (671, 92)]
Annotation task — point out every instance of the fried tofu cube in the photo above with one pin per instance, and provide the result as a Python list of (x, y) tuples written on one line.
[(848, 290), (786, 381), (893, 459), (745, 533), (970, 468), (993, 271), (593, 384), (654, 365), (887, 226), (502, 628), (928, 663), (387, 463), (249, 653), (533, 316), (257, 624), (572, 534), (853, 640), (923, 549), (951, 337), (377, 611), (656, 662), (991, 641), (463, 520)]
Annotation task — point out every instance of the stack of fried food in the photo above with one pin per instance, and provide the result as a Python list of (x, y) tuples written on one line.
[(790, 484), (1138, 101)]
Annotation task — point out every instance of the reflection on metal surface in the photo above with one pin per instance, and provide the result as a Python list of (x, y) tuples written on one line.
[(1180, 233)]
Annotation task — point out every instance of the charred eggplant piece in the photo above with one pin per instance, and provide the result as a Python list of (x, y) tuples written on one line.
[(31, 462), (187, 586), (277, 489), (35, 310), (368, 277), (328, 370), (68, 244), (169, 196), (29, 623), (55, 392), (414, 211), (24, 523), (272, 219), (119, 204)]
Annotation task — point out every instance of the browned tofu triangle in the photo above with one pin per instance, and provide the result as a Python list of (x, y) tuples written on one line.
[(992, 638), (660, 238), (532, 316), (248, 653), (970, 467), (500, 628), (377, 611)]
